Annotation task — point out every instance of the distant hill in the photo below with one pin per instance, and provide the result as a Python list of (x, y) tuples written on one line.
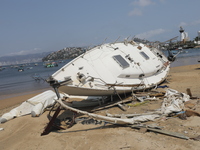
[(66, 53), (22, 59)]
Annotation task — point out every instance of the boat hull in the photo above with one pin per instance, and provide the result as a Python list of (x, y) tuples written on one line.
[(73, 90), (112, 69)]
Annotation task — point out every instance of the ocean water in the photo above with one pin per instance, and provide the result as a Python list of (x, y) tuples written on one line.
[(13, 82), (187, 57)]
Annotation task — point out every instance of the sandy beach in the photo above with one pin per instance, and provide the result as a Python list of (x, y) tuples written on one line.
[(25, 132)]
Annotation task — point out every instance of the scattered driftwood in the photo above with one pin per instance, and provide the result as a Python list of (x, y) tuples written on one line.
[(113, 104), (169, 133), (121, 107), (110, 119), (131, 115), (170, 104), (150, 94), (160, 94), (190, 93), (140, 97), (126, 122)]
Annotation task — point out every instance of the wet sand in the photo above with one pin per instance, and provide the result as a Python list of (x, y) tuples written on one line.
[(25, 132)]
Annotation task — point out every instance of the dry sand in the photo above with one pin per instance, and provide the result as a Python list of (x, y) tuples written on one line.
[(25, 132)]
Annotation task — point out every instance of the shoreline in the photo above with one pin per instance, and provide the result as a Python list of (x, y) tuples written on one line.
[(15, 99), (179, 62), (7, 96)]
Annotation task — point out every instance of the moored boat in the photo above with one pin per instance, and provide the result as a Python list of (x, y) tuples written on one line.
[(51, 64), (20, 69)]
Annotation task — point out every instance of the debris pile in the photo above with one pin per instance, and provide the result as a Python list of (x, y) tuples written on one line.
[(170, 104), (173, 104)]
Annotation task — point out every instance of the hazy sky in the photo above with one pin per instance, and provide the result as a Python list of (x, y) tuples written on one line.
[(48, 25)]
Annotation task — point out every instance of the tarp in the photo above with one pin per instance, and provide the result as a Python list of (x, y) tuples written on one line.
[(173, 101), (34, 106)]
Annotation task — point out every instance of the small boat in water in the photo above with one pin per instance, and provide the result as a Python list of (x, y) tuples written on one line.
[(2, 68), (113, 68), (51, 64), (20, 69)]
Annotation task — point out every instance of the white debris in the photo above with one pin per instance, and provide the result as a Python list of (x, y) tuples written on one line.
[(34, 106), (173, 101)]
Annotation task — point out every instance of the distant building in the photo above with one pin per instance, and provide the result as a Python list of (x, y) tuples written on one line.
[(198, 42), (183, 35)]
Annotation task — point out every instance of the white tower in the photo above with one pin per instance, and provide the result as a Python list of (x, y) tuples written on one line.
[(183, 35)]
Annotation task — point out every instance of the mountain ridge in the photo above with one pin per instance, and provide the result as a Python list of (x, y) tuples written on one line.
[(65, 53), (22, 59)]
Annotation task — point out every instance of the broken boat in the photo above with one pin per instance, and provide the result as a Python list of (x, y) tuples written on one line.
[(113, 68)]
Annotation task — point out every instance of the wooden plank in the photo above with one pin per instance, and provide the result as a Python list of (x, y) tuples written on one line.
[(112, 104), (189, 92), (51, 122), (169, 133), (121, 107)]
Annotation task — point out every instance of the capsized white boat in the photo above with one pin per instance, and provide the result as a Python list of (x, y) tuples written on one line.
[(113, 68)]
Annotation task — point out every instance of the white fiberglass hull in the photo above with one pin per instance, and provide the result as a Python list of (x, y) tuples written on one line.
[(113, 69)]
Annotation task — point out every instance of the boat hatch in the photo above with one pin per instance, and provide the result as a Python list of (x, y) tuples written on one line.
[(144, 55), (121, 61)]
